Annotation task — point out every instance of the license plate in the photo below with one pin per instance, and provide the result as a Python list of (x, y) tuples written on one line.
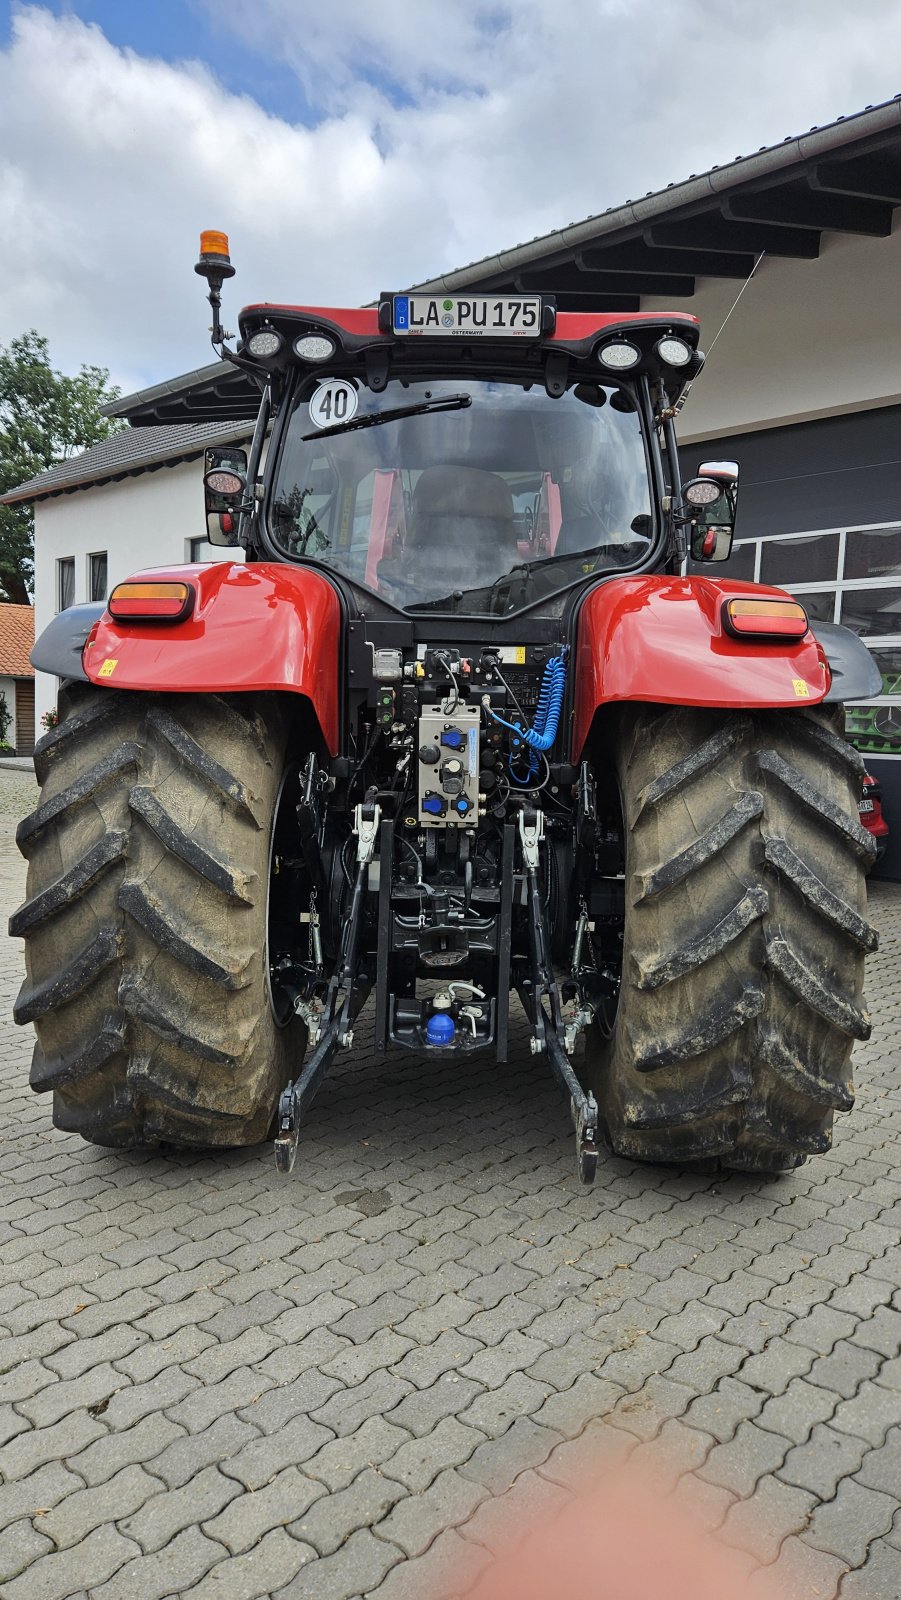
[(473, 316), (866, 805)]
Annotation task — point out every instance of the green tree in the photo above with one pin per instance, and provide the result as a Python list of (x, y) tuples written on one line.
[(45, 417)]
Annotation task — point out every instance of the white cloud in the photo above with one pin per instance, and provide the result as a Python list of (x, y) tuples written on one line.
[(446, 130)]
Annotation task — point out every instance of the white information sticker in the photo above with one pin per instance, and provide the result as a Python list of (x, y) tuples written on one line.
[(334, 402)]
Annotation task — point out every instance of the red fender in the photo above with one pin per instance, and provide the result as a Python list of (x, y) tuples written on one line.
[(662, 639), (261, 626)]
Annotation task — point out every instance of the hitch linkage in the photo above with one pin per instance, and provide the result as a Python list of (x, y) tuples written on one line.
[(336, 1025), (549, 1031)]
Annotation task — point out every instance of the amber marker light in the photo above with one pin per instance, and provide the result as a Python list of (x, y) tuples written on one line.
[(765, 619), (151, 602)]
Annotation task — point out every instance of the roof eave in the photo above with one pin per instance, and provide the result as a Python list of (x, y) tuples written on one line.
[(710, 185)]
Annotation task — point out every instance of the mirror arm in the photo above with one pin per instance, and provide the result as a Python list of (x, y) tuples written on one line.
[(677, 512)]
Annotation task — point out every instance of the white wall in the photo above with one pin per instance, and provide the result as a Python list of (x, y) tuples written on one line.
[(146, 521), (807, 339), (8, 690)]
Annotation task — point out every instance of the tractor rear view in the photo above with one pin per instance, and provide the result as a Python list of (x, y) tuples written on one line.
[(460, 718)]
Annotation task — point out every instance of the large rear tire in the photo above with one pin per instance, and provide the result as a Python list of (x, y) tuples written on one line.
[(145, 924), (744, 937)]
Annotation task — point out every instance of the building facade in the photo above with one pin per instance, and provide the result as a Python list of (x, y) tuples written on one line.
[(791, 260)]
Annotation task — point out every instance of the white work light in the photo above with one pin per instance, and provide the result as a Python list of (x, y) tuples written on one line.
[(675, 352), (265, 344), (314, 347), (619, 356)]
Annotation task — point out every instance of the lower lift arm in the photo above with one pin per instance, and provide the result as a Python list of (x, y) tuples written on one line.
[(336, 1023), (548, 1029)]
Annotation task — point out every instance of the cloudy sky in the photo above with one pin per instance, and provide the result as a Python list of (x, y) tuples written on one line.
[(353, 145)]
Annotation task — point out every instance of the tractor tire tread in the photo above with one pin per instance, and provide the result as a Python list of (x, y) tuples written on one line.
[(742, 981), (145, 918)]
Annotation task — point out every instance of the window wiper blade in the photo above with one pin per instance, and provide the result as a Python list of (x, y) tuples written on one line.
[(445, 402)]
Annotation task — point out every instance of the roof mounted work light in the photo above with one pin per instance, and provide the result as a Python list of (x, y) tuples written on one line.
[(675, 352), (265, 344), (619, 356), (314, 347)]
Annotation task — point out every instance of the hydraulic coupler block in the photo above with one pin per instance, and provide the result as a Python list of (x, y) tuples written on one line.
[(448, 763)]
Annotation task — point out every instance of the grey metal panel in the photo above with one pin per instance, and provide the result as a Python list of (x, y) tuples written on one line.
[(855, 675), (59, 648), (835, 472)]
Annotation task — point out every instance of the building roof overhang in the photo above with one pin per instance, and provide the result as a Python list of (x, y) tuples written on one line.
[(783, 201)]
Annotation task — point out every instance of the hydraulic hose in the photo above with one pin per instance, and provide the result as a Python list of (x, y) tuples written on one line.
[(543, 732)]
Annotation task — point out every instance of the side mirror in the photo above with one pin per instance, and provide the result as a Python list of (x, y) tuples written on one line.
[(224, 487), (713, 498)]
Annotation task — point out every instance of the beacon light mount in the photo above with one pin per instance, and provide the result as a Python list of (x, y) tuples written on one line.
[(215, 265)]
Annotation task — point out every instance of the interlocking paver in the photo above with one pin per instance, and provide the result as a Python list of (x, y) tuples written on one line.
[(417, 1519), (804, 1573), (497, 1462), (38, 1493), (449, 1444), (73, 1518), (175, 1568), (881, 1468), (878, 1579), (30, 1450), (64, 1573), (277, 1559), (247, 1517), (329, 1521), (870, 1414), (822, 1463), (338, 1462), (761, 1525), (448, 1569), (847, 1525), (356, 1569), (751, 1453), (20, 1545), (437, 1312), (846, 1369), (160, 1515)]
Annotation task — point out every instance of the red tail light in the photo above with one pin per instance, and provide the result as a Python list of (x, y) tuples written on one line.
[(765, 619), (151, 602)]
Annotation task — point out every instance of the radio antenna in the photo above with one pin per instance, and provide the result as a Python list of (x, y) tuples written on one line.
[(735, 303), (674, 412)]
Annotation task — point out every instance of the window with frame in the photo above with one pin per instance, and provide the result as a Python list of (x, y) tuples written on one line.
[(97, 575), (65, 583), (852, 576), (202, 550)]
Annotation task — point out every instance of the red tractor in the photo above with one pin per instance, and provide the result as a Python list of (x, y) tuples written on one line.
[(467, 719)]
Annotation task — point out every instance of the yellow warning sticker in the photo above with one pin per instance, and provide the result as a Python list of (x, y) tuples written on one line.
[(801, 689), (108, 668)]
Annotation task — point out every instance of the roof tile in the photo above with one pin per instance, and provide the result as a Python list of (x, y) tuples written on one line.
[(16, 641), (129, 451)]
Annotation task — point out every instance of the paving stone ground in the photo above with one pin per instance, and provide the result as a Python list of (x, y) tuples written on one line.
[(218, 1382)]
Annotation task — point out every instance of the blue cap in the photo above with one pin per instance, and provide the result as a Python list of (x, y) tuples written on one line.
[(440, 1028)]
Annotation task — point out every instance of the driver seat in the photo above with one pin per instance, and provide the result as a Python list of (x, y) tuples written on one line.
[(461, 533)]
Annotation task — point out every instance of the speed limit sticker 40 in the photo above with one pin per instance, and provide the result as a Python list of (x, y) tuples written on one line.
[(334, 402)]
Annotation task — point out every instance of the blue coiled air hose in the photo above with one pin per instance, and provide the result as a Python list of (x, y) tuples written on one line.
[(546, 720)]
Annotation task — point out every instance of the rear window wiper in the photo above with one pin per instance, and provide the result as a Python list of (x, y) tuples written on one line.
[(445, 402)]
